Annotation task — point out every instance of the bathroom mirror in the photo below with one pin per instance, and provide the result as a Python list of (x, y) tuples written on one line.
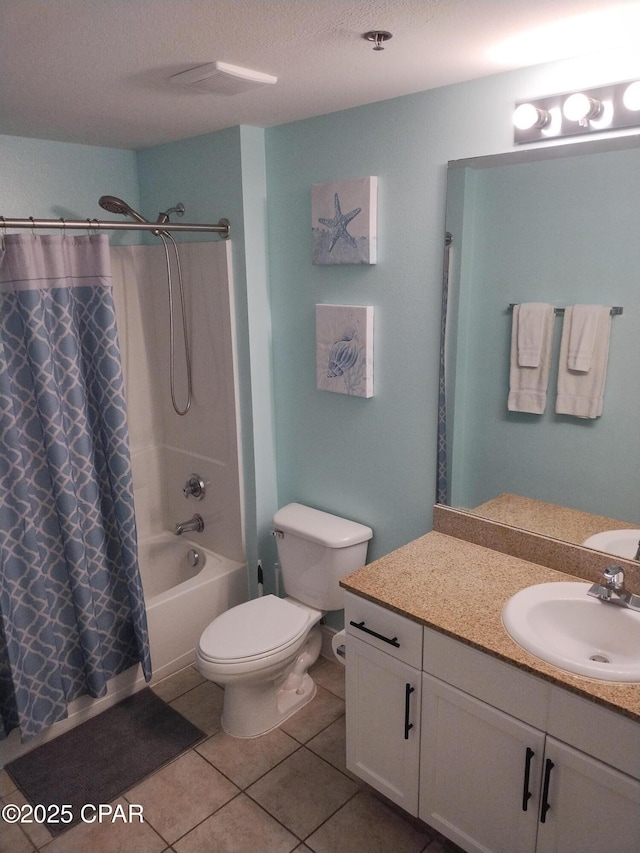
[(558, 225)]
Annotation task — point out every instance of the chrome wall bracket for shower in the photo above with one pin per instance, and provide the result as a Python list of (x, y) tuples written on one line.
[(194, 487), (164, 215)]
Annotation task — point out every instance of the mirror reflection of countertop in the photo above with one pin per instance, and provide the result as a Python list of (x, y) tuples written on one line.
[(459, 589), (558, 522)]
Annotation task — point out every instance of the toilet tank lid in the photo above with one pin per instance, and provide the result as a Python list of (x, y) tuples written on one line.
[(332, 531)]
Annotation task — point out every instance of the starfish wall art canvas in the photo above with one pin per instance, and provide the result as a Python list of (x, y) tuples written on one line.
[(343, 221)]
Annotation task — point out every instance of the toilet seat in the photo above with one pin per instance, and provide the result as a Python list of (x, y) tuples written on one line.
[(253, 630)]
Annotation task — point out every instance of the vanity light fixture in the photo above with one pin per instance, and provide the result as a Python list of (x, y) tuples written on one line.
[(591, 110)]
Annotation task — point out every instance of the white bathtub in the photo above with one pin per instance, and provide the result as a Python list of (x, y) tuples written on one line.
[(182, 599)]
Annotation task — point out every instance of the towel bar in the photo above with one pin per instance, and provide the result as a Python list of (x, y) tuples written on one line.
[(615, 310)]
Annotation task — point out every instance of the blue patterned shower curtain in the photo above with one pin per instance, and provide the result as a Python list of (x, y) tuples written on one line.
[(71, 604)]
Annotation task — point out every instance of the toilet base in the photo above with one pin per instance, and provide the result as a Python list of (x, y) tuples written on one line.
[(251, 710)]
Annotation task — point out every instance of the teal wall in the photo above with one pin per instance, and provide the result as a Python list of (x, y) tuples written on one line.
[(224, 175), (372, 460), (367, 459), (203, 172), (50, 180)]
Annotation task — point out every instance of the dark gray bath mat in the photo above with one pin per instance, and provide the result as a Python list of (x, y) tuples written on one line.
[(100, 759)]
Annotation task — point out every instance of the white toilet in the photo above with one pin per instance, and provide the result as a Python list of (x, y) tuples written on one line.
[(260, 651)]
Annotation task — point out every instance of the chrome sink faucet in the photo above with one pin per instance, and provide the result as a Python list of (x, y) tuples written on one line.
[(195, 523), (612, 590)]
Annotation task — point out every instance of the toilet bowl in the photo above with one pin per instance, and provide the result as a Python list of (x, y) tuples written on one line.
[(260, 651)]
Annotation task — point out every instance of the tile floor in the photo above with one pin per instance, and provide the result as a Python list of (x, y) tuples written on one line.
[(286, 791)]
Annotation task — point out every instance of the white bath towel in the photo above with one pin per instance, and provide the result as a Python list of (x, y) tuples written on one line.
[(532, 317), (580, 391), (582, 336), (528, 384)]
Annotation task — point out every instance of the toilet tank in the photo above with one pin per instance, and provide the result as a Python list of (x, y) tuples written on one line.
[(316, 549)]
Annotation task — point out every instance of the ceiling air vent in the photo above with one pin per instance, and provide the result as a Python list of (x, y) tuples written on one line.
[(222, 78)]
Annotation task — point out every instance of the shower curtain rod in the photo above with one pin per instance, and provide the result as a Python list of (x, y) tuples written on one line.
[(223, 227)]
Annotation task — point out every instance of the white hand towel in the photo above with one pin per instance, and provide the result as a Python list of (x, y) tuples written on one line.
[(582, 336), (528, 385), (532, 319), (581, 393)]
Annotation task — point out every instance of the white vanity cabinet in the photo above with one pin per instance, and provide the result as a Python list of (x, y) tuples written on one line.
[(383, 683), (474, 772), (496, 759), (582, 792), (492, 778)]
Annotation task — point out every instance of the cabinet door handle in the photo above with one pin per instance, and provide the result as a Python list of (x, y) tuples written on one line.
[(393, 641), (526, 793), (546, 805), (408, 690)]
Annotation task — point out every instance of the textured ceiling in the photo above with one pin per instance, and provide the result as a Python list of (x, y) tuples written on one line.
[(97, 71)]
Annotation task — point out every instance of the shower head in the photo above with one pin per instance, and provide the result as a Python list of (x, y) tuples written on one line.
[(115, 205)]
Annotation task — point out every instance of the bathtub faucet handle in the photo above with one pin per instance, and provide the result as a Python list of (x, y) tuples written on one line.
[(196, 523), (194, 487)]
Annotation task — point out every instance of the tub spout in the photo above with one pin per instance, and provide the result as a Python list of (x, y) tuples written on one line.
[(196, 523)]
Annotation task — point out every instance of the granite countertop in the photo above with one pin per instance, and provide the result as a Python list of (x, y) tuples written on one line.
[(459, 589)]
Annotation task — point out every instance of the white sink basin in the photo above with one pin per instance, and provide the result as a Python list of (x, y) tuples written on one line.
[(562, 625), (620, 543)]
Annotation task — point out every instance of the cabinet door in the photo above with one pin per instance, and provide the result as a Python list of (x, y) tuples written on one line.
[(383, 722), (590, 807), (480, 772)]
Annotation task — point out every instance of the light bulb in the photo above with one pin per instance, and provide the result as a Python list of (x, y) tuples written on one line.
[(631, 97), (579, 107), (526, 116)]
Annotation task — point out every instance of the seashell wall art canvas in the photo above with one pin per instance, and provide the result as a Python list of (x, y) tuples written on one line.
[(344, 221), (344, 349)]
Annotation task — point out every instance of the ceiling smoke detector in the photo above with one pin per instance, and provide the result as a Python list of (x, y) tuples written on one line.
[(222, 78)]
